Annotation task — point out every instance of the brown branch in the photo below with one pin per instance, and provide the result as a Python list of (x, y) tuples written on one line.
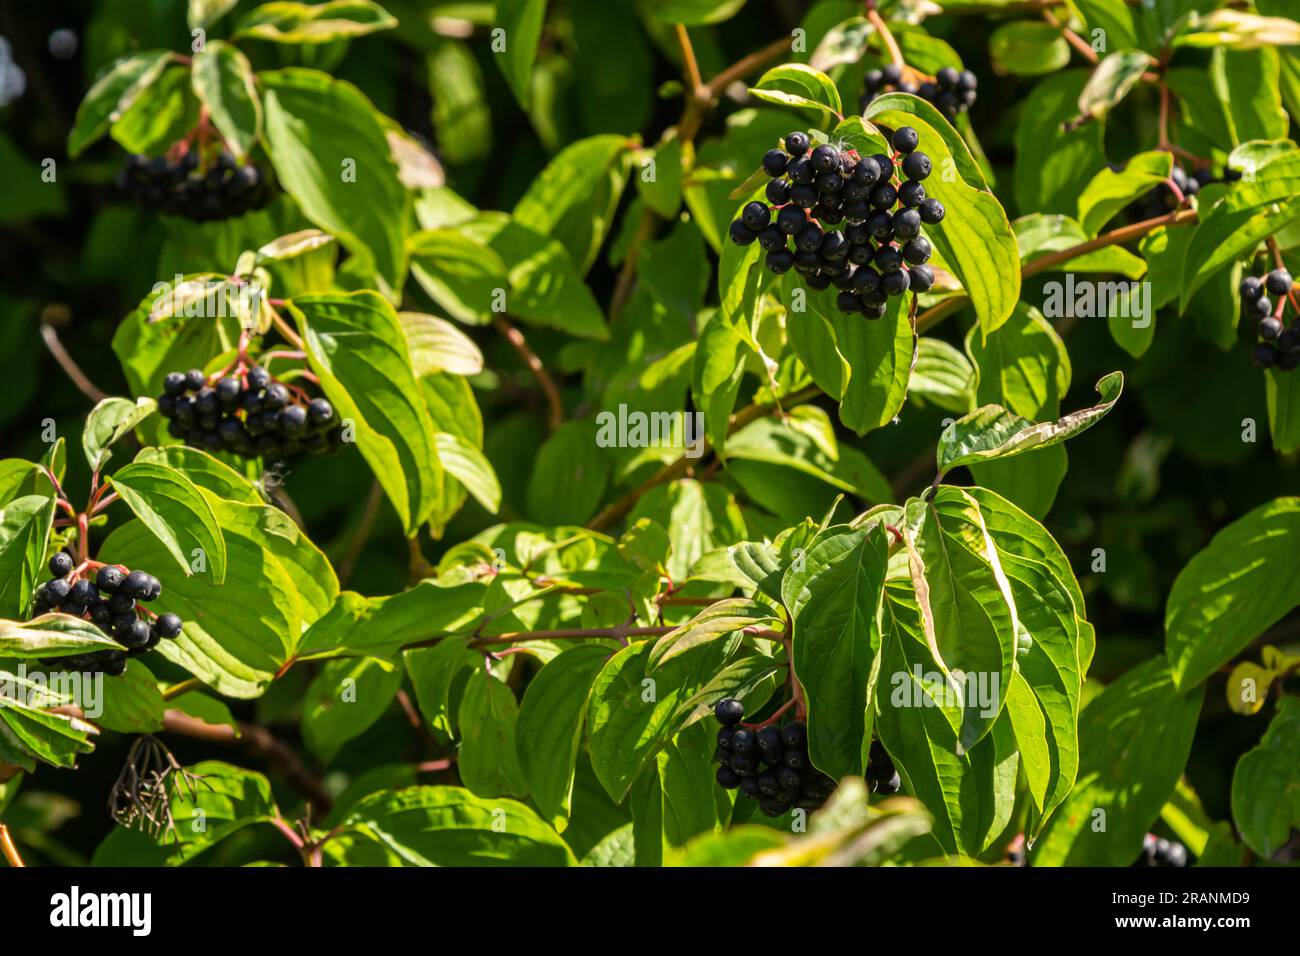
[(259, 742), (694, 82), (74, 372), (362, 534), (887, 38), (10, 851), (555, 406), (746, 65), (1072, 38), (937, 313)]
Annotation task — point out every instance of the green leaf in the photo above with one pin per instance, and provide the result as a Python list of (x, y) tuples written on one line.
[(1053, 163), (1109, 192), (330, 154), (1266, 783), (970, 794), (1029, 48), (1231, 592), (432, 671), (784, 443), (471, 468), (695, 12), (1247, 83), (28, 730), (208, 473), (663, 191), (112, 94), (176, 513), (719, 365), (548, 731), (1023, 365), (379, 626), (1237, 30), (439, 346), (309, 23), (968, 614), (449, 826), (229, 799), (52, 635), (487, 759), (633, 713), (236, 635), (203, 13), (1283, 394), (569, 476), (25, 525), (975, 239), (460, 273), (834, 596), (994, 432), (799, 85), (132, 703), (355, 344), (460, 106), (722, 619), (1051, 655), (107, 422), (575, 196), (697, 516), (1134, 738), (1110, 82), (344, 700), (160, 116), (1241, 219), (521, 21), (943, 375), (223, 82), (544, 286)]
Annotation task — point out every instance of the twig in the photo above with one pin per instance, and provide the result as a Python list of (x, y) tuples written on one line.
[(88, 388), (746, 65), (1072, 38), (936, 313), (695, 82), (10, 851), (362, 534), (259, 742), (887, 38), (555, 405)]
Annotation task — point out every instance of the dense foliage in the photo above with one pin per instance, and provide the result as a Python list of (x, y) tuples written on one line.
[(550, 433)]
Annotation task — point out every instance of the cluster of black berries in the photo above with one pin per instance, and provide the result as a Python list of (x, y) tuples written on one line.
[(811, 190), (951, 92), (770, 764), (882, 778), (248, 414), (1280, 347), (182, 187), (112, 601), (1162, 200), (1157, 852)]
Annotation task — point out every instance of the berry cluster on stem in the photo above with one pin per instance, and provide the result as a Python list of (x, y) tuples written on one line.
[(1279, 345), (951, 91), (246, 411), (767, 762), (881, 251), (112, 597)]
